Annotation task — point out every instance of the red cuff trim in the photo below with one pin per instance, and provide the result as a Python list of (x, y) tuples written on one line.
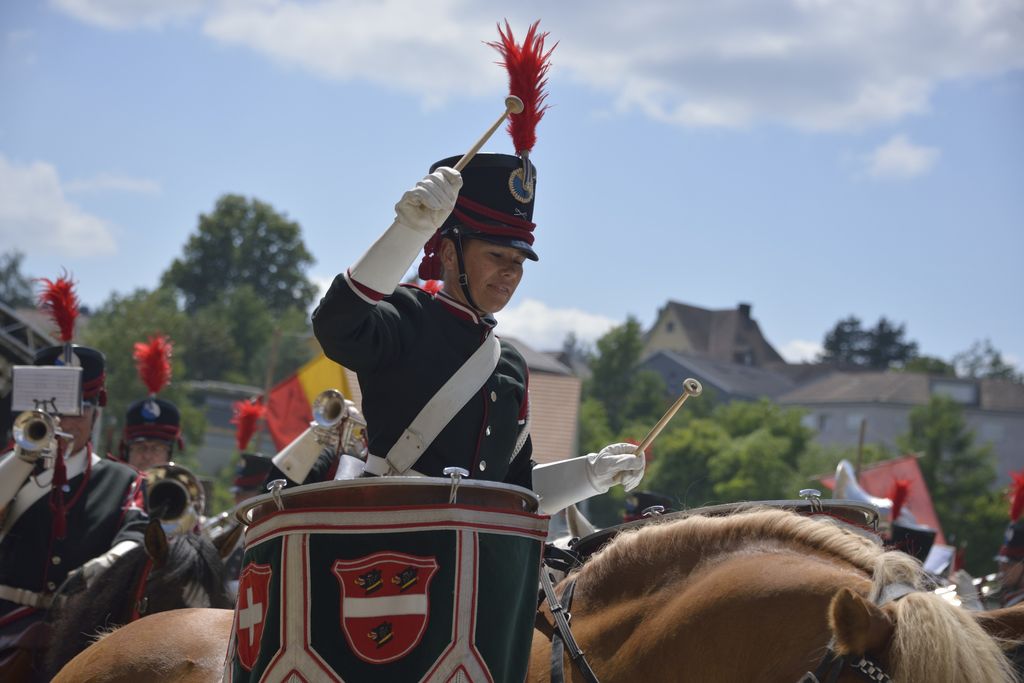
[(362, 289)]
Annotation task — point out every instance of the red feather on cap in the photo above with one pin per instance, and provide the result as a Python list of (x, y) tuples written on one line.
[(247, 414), (153, 361), (1016, 495), (58, 299), (527, 66), (898, 496)]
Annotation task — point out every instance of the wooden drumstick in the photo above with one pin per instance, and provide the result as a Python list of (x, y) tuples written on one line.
[(691, 387), (513, 105)]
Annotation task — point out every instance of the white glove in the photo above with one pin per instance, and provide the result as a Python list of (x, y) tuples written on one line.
[(425, 207), (418, 214), (615, 464), (564, 482)]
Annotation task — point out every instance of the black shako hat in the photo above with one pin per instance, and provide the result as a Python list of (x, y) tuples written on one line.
[(1012, 549), (153, 418), (913, 539), (251, 472), (92, 362), (495, 204)]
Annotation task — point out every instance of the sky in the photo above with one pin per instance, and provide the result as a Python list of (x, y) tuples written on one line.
[(814, 158)]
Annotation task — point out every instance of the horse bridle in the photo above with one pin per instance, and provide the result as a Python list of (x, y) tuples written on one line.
[(140, 603), (829, 668)]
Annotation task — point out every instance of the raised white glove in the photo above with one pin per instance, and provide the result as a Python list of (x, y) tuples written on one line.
[(425, 207), (562, 483), (418, 214), (615, 464)]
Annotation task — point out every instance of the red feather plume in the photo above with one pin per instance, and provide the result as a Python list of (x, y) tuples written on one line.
[(1016, 495), (153, 361), (58, 299), (247, 414), (898, 496), (527, 66)]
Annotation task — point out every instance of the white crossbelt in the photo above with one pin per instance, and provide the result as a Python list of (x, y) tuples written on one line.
[(25, 597), (35, 488), (439, 411)]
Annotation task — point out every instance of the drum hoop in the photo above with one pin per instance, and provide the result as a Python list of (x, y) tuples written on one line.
[(242, 510)]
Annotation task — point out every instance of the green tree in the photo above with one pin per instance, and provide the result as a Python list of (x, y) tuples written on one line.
[(984, 361), (930, 365), (114, 329), (959, 475), (15, 287), (243, 242), (878, 348), (680, 468)]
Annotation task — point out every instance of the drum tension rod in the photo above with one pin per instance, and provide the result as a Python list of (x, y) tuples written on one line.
[(456, 473)]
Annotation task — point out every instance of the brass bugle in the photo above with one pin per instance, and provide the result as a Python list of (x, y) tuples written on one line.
[(33, 431)]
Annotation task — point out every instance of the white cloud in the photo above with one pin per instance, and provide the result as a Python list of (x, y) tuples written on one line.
[(128, 14), (801, 351), (899, 158), (35, 215), (817, 64), (104, 182), (544, 328)]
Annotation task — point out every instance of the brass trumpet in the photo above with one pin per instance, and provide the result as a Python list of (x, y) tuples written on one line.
[(33, 432), (336, 426), (175, 496)]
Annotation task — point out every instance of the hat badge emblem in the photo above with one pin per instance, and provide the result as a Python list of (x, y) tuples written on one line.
[(520, 189), (150, 410)]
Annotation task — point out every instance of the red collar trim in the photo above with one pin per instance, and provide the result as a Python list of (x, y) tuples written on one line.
[(461, 310)]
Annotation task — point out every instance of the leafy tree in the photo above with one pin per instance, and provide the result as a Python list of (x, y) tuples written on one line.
[(878, 348), (845, 343), (15, 288), (930, 365), (113, 329), (243, 243), (680, 468), (753, 467), (959, 474), (984, 361)]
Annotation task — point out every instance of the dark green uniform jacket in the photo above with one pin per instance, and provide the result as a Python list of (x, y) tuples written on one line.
[(404, 347), (103, 508)]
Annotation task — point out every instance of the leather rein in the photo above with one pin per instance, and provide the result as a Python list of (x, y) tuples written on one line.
[(829, 668)]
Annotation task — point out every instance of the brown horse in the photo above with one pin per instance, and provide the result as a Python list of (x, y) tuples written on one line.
[(750, 597)]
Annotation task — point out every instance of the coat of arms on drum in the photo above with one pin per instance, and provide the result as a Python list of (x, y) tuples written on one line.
[(384, 603), (251, 611)]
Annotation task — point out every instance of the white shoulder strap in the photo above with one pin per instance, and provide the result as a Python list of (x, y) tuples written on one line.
[(35, 488), (442, 407)]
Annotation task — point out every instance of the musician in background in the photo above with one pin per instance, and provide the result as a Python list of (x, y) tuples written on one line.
[(50, 529), (152, 426), (405, 343), (1010, 560)]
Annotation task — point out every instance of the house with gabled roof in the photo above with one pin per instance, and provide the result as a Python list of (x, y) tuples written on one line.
[(729, 335)]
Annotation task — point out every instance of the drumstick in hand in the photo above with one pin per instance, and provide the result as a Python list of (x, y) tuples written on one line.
[(691, 387), (513, 105)]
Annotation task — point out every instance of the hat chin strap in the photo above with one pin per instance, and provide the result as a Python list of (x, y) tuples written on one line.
[(463, 278)]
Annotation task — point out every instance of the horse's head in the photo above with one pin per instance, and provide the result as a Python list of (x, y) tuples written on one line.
[(185, 571)]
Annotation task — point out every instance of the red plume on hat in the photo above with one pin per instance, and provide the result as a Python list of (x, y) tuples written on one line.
[(153, 361), (247, 415), (527, 66), (1016, 495), (898, 495), (59, 301)]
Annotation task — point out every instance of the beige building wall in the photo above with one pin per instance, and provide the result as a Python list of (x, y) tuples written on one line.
[(668, 333)]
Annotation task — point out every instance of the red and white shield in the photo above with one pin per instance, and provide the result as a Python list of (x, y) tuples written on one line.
[(251, 611), (385, 603)]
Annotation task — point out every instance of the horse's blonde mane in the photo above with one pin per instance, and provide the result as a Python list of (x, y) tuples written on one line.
[(934, 641)]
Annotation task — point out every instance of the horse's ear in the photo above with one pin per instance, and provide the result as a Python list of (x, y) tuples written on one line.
[(156, 543), (225, 543), (859, 626)]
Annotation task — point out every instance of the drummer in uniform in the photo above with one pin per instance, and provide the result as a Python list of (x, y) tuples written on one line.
[(406, 344), (81, 514), (1010, 560)]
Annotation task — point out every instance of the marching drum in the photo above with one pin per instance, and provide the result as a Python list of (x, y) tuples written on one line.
[(388, 579)]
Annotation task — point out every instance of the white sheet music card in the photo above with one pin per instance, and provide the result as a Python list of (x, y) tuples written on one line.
[(53, 389)]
